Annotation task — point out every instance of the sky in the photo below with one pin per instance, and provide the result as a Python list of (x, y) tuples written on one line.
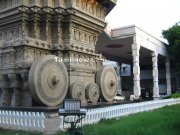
[(152, 16)]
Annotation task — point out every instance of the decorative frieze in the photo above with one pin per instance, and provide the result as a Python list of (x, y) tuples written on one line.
[(92, 7), (21, 57), (83, 36), (35, 2), (11, 33), (8, 57)]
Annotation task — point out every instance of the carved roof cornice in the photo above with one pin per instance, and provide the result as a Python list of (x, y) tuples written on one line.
[(108, 4)]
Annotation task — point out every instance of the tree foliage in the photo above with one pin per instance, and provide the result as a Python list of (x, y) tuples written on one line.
[(173, 37)]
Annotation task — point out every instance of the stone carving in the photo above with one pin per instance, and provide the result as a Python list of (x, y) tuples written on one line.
[(106, 78), (26, 95), (83, 36), (16, 86), (92, 7), (92, 92), (8, 36), (31, 31), (77, 90), (48, 80)]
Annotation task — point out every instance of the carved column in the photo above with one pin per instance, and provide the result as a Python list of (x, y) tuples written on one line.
[(168, 76), (17, 94), (47, 30), (24, 28), (36, 29), (6, 94), (26, 95), (136, 70), (155, 76), (59, 31), (119, 78)]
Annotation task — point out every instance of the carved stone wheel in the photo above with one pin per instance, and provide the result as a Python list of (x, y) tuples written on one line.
[(92, 92), (77, 90), (48, 81), (106, 78)]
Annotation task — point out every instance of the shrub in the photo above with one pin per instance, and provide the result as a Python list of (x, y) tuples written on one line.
[(175, 95)]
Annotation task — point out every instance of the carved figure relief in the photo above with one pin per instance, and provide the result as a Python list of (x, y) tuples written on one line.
[(92, 7), (19, 55)]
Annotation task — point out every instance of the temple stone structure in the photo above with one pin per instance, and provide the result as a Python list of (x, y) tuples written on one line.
[(35, 35)]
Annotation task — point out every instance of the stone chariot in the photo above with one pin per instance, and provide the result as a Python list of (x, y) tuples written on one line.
[(35, 33)]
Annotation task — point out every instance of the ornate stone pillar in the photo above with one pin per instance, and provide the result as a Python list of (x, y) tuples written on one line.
[(17, 94), (136, 70), (47, 30), (26, 95), (6, 94), (119, 78), (24, 28), (155, 76), (59, 31), (6, 97), (168, 76), (36, 29)]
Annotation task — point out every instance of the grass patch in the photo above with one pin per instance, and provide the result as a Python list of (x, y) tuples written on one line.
[(13, 132), (164, 121), (175, 95)]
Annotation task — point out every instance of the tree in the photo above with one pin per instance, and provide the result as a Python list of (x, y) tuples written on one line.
[(173, 37)]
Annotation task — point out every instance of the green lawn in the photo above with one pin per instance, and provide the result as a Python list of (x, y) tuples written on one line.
[(164, 121), (11, 132)]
